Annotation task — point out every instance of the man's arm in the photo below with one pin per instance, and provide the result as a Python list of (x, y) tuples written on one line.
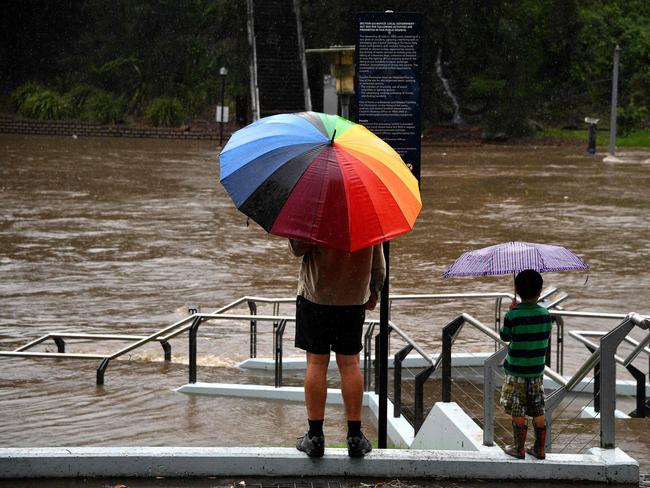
[(298, 248), (378, 270)]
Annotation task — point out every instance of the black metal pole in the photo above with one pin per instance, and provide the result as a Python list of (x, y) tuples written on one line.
[(383, 355), (192, 348), (223, 92)]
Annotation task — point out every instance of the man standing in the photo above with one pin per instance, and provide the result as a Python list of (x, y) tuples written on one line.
[(335, 289)]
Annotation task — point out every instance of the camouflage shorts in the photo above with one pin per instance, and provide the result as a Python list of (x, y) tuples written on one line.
[(523, 396)]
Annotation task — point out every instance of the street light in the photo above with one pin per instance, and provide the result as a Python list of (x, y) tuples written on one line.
[(222, 72)]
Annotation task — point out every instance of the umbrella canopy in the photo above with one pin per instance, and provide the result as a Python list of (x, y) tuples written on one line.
[(512, 257), (321, 179)]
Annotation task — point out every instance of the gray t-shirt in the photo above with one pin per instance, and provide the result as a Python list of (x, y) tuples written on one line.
[(332, 277)]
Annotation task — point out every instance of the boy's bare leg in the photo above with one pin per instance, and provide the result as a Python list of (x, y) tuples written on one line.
[(539, 422), (351, 384), (316, 385), (519, 421)]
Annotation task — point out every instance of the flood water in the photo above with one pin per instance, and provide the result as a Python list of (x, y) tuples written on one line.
[(120, 235)]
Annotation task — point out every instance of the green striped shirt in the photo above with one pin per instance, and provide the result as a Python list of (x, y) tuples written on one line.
[(527, 329)]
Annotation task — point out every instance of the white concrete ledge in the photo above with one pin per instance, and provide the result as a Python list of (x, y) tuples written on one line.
[(399, 430), (590, 413), (448, 427), (411, 361), (471, 359), (605, 466)]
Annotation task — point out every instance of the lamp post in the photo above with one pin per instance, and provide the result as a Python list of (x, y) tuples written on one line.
[(612, 117), (222, 72)]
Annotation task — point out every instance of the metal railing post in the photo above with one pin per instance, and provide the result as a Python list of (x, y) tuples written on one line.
[(449, 333), (397, 379), (418, 406), (367, 357), (252, 306), (608, 346), (101, 370), (60, 344), (376, 364), (489, 385), (552, 401), (596, 393), (559, 359), (167, 350), (639, 377), (279, 333), (497, 319), (192, 348)]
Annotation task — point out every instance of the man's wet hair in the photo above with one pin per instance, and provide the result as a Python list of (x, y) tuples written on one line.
[(528, 284)]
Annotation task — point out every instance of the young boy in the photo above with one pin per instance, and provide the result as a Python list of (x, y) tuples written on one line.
[(527, 329)]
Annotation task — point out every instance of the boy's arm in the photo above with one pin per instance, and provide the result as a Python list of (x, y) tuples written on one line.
[(506, 329)]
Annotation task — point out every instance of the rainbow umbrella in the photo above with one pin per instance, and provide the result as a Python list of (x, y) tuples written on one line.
[(321, 179)]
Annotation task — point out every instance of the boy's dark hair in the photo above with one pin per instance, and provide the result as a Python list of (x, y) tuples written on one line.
[(528, 284)]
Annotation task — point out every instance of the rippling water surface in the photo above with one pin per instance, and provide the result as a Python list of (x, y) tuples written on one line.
[(119, 235)]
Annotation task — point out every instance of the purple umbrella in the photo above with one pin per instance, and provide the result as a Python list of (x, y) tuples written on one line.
[(512, 257)]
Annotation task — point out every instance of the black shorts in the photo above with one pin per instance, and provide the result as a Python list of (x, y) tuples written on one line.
[(321, 328)]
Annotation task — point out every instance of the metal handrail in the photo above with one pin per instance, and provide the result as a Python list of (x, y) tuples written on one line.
[(31, 354), (638, 375), (164, 335), (495, 337), (420, 378)]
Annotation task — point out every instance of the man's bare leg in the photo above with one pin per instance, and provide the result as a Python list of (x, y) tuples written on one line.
[(351, 385), (316, 385)]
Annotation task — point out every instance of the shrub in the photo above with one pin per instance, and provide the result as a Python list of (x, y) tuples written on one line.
[(104, 107), (165, 112), (483, 90), (631, 118), (77, 96), (20, 94), (45, 104)]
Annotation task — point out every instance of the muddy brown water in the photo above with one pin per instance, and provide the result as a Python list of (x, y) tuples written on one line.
[(120, 235)]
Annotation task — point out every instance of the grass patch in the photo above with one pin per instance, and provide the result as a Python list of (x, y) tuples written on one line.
[(636, 139)]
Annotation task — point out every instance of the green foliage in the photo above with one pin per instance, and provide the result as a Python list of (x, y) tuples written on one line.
[(639, 138), (20, 94), (124, 75), (506, 62), (631, 118), (165, 112), (104, 107), (77, 97), (483, 89), (37, 102)]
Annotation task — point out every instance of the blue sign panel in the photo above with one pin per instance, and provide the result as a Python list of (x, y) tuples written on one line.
[(387, 84)]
